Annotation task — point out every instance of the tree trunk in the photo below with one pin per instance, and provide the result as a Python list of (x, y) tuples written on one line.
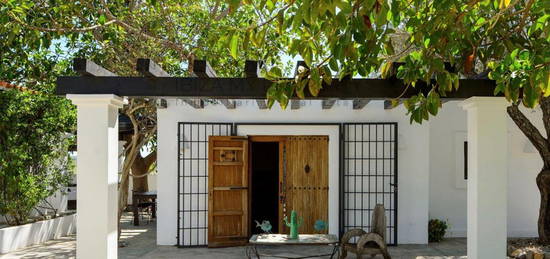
[(543, 182), (543, 147), (140, 169), (139, 175)]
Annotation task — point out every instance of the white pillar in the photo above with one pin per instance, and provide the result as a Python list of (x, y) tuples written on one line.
[(97, 175), (487, 176)]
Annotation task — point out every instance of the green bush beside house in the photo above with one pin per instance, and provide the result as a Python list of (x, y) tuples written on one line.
[(34, 141), (436, 230)]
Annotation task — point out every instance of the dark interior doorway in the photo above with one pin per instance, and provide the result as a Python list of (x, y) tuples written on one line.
[(265, 185)]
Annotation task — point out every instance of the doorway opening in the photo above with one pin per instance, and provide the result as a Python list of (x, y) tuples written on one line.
[(264, 198)]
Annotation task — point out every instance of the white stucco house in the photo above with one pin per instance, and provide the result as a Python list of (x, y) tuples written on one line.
[(343, 154)]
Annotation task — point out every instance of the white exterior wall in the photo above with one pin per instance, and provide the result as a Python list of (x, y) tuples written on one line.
[(429, 165), (413, 158), (448, 192)]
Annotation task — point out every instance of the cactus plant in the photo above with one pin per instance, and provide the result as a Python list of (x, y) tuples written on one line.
[(294, 224)]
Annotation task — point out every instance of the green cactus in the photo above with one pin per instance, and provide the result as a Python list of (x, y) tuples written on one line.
[(294, 224)]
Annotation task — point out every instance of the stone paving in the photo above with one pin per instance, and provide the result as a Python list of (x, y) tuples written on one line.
[(141, 244)]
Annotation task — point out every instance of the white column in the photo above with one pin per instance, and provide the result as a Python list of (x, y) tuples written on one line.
[(97, 175), (487, 176)]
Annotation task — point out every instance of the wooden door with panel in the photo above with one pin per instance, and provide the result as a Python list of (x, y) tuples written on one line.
[(228, 191), (306, 181)]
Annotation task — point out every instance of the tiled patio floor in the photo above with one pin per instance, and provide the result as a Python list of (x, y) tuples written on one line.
[(141, 244)]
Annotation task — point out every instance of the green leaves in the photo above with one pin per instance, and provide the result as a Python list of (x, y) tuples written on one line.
[(101, 19), (233, 5), (280, 92), (314, 83), (34, 159), (502, 4), (517, 72), (420, 107), (234, 45), (386, 70)]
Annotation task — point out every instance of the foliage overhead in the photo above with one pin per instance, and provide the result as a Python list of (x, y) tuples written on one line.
[(508, 40), (114, 34)]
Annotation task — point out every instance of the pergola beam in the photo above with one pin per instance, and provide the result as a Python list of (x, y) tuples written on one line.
[(262, 104), (388, 105), (228, 103), (87, 67), (149, 68), (252, 68), (359, 104), (327, 104), (294, 104), (195, 103), (161, 104), (202, 69), (256, 88)]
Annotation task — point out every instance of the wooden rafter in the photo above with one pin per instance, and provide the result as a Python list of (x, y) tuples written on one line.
[(202, 69), (150, 69), (388, 105), (87, 67), (161, 103), (252, 70), (195, 103), (327, 104), (262, 104), (359, 104), (294, 104)]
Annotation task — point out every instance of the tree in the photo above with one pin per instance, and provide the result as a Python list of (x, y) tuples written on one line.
[(508, 41), (35, 130), (116, 33), (34, 162)]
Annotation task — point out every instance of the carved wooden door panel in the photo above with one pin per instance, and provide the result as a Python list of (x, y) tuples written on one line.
[(307, 180), (227, 191)]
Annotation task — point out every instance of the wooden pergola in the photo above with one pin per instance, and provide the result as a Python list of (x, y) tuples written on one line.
[(204, 84), (97, 94)]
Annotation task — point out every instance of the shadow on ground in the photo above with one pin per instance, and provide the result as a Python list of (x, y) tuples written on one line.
[(141, 242)]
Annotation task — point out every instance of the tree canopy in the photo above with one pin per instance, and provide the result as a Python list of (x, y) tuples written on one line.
[(506, 40), (37, 35)]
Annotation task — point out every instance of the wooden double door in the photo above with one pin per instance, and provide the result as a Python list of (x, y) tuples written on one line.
[(302, 185)]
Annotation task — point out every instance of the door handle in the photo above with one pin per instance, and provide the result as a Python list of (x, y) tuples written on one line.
[(229, 188), (238, 188)]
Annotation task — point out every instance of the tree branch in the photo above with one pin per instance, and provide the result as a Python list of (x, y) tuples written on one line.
[(531, 132), (525, 15), (545, 107), (269, 20), (83, 29), (167, 43), (150, 159)]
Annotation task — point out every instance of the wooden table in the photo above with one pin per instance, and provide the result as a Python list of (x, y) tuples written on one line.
[(282, 239), (143, 196)]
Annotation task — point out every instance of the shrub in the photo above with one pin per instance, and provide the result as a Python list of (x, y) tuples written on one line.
[(436, 230), (34, 162)]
